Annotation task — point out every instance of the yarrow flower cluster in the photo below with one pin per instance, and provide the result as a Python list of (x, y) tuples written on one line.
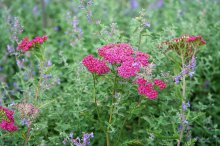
[(128, 64), (147, 88), (95, 66), (188, 38), (7, 119), (187, 42), (26, 44)]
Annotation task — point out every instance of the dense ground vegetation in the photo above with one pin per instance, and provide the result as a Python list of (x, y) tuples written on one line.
[(158, 85)]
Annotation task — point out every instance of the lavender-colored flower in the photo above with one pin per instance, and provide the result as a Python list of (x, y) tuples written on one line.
[(185, 70), (134, 4), (15, 85), (156, 4), (20, 63), (12, 104), (10, 49), (71, 135), (177, 79), (58, 81), (47, 76), (15, 27), (89, 16), (35, 10), (49, 63), (24, 121), (191, 74), (1, 101), (186, 122), (146, 24), (75, 23), (179, 127), (193, 63), (65, 141), (185, 105), (57, 28), (85, 140)]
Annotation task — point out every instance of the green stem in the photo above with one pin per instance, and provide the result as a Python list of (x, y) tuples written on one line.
[(183, 99), (111, 110), (96, 104)]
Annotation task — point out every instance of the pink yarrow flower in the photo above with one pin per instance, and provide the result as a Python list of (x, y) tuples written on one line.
[(115, 53), (95, 66), (189, 38), (7, 119), (146, 88), (26, 45), (9, 126), (160, 83)]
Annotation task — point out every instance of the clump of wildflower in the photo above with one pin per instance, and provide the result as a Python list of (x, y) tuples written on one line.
[(95, 66), (128, 63), (26, 45), (7, 119)]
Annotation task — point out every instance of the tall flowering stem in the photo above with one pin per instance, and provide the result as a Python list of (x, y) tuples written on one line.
[(186, 48), (28, 110)]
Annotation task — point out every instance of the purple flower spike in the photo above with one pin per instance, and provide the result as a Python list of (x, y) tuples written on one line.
[(177, 79), (134, 4), (71, 135)]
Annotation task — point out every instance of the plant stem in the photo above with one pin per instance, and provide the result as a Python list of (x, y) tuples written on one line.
[(27, 135), (183, 99), (40, 81), (111, 110), (96, 104)]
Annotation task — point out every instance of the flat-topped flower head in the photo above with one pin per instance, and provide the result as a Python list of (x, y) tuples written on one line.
[(129, 68), (95, 66), (26, 45), (115, 53), (186, 44), (147, 88)]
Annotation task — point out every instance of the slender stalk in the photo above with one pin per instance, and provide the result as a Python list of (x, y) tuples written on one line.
[(111, 110), (97, 108), (183, 99), (40, 80), (27, 135)]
